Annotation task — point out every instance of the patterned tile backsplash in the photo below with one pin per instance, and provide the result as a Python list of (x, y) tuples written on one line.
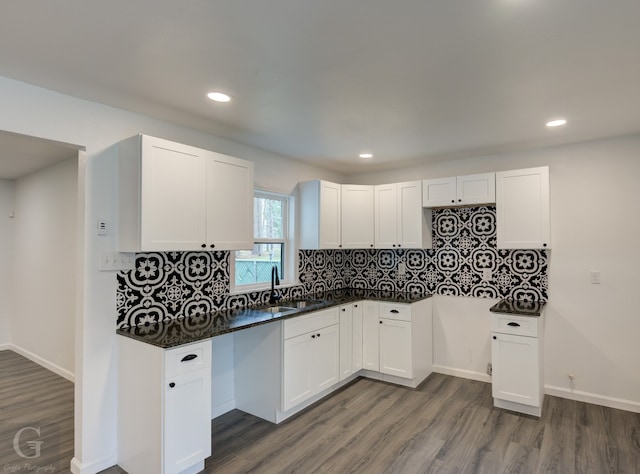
[(174, 284)]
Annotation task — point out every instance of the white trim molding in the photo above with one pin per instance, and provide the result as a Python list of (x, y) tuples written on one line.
[(596, 399), (98, 465), (70, 376), (465, 374)]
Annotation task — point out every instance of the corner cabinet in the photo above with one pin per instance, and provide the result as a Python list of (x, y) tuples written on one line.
[(459, 190), (164, 407), (177, 197), (522, 209), (320, 215), (400, 220)]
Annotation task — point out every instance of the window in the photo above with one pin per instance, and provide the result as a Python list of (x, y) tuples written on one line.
[(252, 269)]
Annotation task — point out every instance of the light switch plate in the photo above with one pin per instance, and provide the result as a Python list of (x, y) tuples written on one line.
[(116, 261), (595, 277)]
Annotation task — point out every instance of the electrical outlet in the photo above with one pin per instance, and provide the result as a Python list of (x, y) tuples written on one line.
[(402, 268), (116, 261), (489, 368), (595, 277), (486, 274)]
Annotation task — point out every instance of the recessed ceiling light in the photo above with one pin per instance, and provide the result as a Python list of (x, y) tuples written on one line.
[(556, 123), (218, 97), (366, 155)]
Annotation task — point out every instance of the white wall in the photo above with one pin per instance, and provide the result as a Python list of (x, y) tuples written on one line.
[(591, 330), (6, 249), (34, 111), (44, 265)]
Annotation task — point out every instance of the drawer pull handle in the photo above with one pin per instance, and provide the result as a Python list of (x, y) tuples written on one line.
[(495, 337), (515, 325), (172, 384), (394, 311), (189, 357)]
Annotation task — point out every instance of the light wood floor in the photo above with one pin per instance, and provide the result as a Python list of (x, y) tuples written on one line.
[(447, 425)]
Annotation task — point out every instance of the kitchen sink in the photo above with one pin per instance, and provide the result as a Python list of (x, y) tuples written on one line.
[(277, 309), (306, 303)]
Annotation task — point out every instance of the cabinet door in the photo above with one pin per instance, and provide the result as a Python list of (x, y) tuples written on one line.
[(356, 358), (395, 348), (357, 216), (522, 209), (386, 216), (439, 192), (326, 357), (411, 218), (330, 213), (187, 420), (346, 341), (229, 203), (515, 369), (370, 336), (476, 189), (298, 381), (172, 196)]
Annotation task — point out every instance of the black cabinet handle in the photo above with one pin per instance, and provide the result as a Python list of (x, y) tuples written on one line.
[(371, 245), (394, 245), (355, 305), (172, 384), (459, 200), (212, 246), (204, 246), (453, 200), (189, 357), (318, 335), (515, 325), (495, 337), (343, 309), (313, 336), (394, 311), (380, 322), (399, 245), (544, 245)]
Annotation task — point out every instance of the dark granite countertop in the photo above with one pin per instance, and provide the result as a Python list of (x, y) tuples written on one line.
[(519, 308), (176, 332)]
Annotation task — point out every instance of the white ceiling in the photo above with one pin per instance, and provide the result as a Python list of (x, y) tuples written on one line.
[(408, 80)]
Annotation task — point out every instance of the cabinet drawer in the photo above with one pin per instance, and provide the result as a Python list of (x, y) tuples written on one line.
[(310, 322), (399, 312), (517, 325), (184, 359)]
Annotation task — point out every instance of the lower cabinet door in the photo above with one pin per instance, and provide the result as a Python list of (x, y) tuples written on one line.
[(187, 421), (356, 338), (298, 370), (326, 360), (515, 364), (395, 348), (346, 341), (370, 337)]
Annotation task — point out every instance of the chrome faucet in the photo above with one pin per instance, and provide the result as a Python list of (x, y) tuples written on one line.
[(275, 295)]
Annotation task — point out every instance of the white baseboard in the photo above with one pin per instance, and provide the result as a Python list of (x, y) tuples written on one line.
[(92, 467), (222, 409), (594, 398), (40, 361), (465, 374)]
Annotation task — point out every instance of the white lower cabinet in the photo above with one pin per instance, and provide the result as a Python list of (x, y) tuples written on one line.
[(397, 341), (350, 339), (164, 407), (516, 358), (311, 364)]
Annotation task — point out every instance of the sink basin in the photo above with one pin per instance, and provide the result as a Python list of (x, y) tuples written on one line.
[(305, 303), (277, 309)]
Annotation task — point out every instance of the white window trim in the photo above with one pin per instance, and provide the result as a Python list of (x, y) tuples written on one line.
[(290, 254)]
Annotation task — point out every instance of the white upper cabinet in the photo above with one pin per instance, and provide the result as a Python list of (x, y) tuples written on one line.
[(357, 216), (400, 220), (522, 209), (320, 215), (459, 191), (177, 197)]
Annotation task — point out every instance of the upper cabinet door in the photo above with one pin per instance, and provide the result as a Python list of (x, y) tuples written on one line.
[(330, 232), (357, 216), (414, 223), (386, 216), (476, 189), (229, 203), (171, 185), (439, 192), (522, 207)]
